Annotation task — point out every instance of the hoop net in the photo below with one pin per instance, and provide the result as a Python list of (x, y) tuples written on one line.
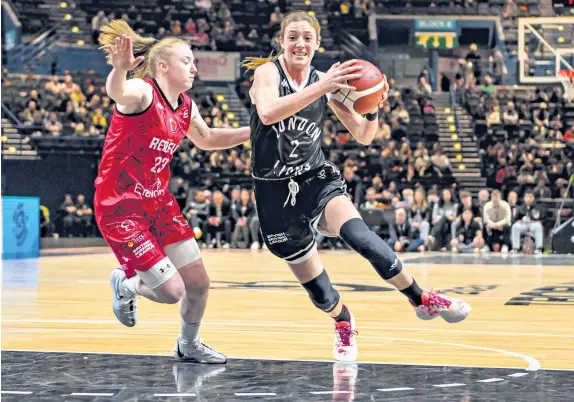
[(567, 79)]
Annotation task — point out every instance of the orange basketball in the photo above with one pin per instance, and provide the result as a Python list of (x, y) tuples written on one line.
[(370, 89)]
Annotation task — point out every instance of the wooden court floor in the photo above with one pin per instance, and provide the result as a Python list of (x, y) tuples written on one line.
[(523, 311)]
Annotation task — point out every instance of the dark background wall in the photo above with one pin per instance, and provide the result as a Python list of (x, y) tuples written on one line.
[(50, 178)]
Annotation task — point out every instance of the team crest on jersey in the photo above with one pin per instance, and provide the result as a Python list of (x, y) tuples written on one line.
[(126, 226), (159, 106), (285, 84), (185, 113), (172, 125)]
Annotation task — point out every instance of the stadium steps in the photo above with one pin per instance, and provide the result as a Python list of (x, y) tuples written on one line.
[(78, 19), (318, 8), (459, 145), (14, 144), (236, 112)]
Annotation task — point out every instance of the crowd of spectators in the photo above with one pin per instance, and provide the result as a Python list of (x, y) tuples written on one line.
[(204, 24)]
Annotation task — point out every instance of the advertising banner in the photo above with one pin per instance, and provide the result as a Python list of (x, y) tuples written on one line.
[(217, 66), (20, 227)]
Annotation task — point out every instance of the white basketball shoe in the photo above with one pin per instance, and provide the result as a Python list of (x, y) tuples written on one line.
[(197, 352), (435, 304), (125, 302), (345, 347)]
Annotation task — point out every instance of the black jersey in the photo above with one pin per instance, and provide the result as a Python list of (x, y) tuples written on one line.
[(292, 146)]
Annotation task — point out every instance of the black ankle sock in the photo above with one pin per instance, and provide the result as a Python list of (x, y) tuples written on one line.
[(414, 293), (344, 315)]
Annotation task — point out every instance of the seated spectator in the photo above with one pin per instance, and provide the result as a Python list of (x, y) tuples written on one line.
[(440, 161), (468, 236), (218, 222), (420, 214), (85, 216), (510, 10), (466, 203), (52, 125), (529, 218), (67, 213), (196, 211), (488, 86), (497, 221), (402, 235), (444, 213), (510, 116), (243, 212)]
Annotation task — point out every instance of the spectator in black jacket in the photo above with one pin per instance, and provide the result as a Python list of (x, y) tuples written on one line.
[(403, 237), (242, 214), (529, 218), (468, 235), (218, 221)]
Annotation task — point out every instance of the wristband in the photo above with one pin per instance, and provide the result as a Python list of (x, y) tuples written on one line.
[(372, 116)]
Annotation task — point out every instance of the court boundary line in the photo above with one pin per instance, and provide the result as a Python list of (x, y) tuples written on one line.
[(287, 324), (307, 360)]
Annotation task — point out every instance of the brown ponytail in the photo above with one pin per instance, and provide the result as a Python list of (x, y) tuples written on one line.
[(150, 48)]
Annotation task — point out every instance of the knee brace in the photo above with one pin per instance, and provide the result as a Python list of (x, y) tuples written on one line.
[(367, 243), (322, 293)]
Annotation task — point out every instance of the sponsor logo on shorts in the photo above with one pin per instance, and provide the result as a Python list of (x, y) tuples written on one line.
[(179, 219), (126, 226), (143, 248), (153, 192), (135, 240), (276, 238)]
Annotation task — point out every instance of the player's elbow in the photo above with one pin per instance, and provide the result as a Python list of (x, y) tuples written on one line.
[(265, 116)]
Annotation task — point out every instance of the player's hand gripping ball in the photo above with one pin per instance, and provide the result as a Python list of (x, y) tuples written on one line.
[(371, 90)]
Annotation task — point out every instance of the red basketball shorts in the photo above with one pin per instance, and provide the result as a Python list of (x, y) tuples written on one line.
[(138, 237)]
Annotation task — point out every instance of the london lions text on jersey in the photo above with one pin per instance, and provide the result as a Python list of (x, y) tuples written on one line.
[(292, 146)]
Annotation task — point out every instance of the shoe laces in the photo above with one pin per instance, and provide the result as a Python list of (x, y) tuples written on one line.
[(436, 300), (344, 333)]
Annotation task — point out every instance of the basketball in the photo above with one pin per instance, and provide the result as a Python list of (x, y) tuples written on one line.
[(369, 90)]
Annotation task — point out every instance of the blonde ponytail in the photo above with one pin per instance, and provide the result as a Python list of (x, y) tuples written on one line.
[(251, 63), (150, 48)]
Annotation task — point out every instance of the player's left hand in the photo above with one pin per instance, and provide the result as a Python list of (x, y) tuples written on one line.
[(384, 98)]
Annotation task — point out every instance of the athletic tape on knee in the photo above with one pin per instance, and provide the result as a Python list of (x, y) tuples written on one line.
[(322, 293), (367, 243)]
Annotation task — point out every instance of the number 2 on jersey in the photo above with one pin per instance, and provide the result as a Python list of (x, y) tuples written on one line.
[(160, 164), (295, 143)]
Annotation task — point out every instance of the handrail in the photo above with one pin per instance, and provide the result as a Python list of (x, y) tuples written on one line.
[(11, 115)]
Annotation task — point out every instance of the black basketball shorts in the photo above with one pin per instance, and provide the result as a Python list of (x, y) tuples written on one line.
[(289, 208)]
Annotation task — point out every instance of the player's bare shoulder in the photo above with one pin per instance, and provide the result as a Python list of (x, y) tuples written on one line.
[(138, 96), (265, 78)]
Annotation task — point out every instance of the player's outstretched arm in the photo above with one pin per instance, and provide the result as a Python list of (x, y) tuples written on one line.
[(208, 138), (126, 93), (272, 108), (361, 128)]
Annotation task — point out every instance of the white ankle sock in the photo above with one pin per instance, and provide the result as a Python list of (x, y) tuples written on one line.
[(189, 332), (130, 285)]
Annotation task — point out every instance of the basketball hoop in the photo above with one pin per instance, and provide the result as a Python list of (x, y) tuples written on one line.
[(567, 79)]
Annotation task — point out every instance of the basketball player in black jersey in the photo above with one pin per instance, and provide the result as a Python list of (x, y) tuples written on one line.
[(296, 188)]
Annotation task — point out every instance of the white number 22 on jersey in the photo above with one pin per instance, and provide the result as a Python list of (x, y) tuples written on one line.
[(160, 164)]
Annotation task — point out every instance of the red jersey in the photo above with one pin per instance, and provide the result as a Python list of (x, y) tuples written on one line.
[(135, 165)]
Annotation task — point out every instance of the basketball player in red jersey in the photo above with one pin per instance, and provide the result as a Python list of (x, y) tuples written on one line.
[(296, 188), (138, 217)]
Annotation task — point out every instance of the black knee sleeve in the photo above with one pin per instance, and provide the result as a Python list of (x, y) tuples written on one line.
[(322, 293), (367, 243)]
